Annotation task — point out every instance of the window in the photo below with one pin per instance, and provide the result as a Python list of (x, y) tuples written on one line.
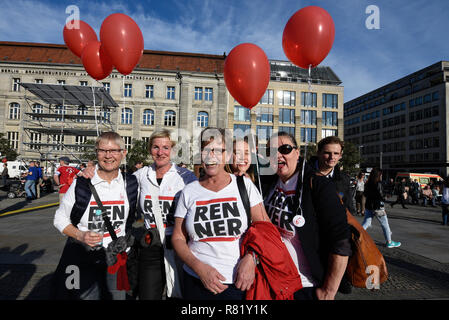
[(83, 83), (57, 140), (308, 99), (268, 97), (264, 132), (128, 90), (330, 118), (170, 118), (60, 110), (208, 94), (308, 134), (61, 82), (198, 93), (287, 98), (38, 81), (435, 96), (82, 111), (171, 93), (37, 108), (330, 101), (35, 139), (328, 132), (287, 116), (240, 130), (149, 91), (106, 115), (80, 140), (16, 84), (14, 111), (264, 114), (128, 142), (242, 114), (308, 117), (290, 130), (127, 116), (202, 119), (148, 117), (107, 87), (13, 138)]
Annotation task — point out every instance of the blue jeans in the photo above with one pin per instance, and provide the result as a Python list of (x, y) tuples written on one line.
[(383, 220), (445, 213), (30, 189)]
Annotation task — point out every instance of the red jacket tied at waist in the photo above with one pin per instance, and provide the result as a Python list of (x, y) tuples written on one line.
[(276, 275)]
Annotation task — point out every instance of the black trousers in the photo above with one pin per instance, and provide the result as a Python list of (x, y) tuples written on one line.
[(151, 273)]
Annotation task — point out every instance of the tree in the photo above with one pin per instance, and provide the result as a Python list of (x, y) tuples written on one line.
[(138, 152), (89, 152), (351, 159), (5, 149)]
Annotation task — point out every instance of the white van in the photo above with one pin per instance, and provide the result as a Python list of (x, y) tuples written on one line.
[(15, 169)]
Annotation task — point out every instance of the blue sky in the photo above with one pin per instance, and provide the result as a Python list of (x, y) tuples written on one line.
[(413, 34)]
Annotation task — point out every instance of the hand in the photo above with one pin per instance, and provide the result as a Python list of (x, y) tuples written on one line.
[(88, 237), (211, 279), (88, 173), (323, 294), (245, 272)]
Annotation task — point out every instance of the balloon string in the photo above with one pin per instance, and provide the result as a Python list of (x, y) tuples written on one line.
[(309, 79), (95, 109)]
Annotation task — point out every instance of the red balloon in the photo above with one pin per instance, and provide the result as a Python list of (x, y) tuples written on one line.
[(308, 36), (247, 73), (96, 61), (77, 34), (122, 41)]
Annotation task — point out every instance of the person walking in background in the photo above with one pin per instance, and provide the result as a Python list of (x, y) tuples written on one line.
[(30, 181), (415, 189), (427, 195), (375, 206), (445, 202), (5, 174), (359, 197), (39, 179), (402, 194), (64, 176)]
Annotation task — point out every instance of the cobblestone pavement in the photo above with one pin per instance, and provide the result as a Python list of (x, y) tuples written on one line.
[(28, 259)]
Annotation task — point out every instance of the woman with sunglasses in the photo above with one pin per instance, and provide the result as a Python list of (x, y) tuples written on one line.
[(210, 220), (310, 218)]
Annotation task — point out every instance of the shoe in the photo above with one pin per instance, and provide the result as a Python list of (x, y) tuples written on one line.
[(393, 244)]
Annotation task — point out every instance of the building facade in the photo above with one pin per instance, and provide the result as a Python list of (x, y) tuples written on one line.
[(402, 126), (290, 104), (182, 92)]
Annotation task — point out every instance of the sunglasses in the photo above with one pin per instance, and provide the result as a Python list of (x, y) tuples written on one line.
[(284, 149)]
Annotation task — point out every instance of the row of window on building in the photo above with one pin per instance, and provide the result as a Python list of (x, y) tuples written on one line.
[(308, 99), (265, 132), (286, 116), (125, 118), (200, 93)]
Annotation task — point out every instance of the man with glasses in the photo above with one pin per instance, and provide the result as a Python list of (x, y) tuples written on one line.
[(64, 176), (75, 218), (310, 218)]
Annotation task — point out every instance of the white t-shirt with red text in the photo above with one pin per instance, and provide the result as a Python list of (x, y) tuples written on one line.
[(280, 209), (215, 222), (112, 195), (174, 180)]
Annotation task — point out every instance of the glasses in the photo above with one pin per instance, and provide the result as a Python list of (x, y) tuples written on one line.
[(284, 149), (114, 152), (217, 152)]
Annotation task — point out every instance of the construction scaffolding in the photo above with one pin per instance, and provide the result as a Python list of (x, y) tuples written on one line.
[(61, 119)]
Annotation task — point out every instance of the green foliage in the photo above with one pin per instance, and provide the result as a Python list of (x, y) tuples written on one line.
[(351, 159), (6, 150), (137, 152)]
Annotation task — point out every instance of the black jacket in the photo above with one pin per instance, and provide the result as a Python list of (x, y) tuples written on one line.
[(326, 229), (343, 184), (374, 196)]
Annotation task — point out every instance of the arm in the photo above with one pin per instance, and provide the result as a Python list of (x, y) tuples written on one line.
[(335, 271), (209, 276)]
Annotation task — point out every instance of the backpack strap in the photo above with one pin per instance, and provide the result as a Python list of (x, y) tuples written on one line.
[(244, 195), (82, 198), (132, 192)]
